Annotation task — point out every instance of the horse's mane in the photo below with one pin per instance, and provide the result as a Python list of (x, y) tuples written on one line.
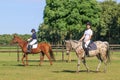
[(21, 39), (75, 41)]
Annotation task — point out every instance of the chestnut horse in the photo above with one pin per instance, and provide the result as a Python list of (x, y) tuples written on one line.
[(43, 48)]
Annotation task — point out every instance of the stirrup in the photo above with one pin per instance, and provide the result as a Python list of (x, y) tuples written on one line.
[(87, 55), (28, 51)]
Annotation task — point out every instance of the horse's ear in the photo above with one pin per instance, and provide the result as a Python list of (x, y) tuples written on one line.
[(79, 41), (14, 35), (65, 40)]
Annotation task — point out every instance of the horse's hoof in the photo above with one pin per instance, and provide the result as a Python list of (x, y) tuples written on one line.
[(26, 64), (97, 71), (77, 71), (40, 65), (104, 71), (88, 71)]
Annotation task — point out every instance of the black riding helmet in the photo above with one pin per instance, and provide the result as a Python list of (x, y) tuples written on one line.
[(88, 23), (33, 30)]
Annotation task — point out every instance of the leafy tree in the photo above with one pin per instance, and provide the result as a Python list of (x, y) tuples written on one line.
[(109, 21), (66, 19)]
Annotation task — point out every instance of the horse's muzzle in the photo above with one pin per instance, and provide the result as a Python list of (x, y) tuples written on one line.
[(67, 52)]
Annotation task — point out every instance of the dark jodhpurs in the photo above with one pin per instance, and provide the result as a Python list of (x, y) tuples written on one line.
[(85, 49)]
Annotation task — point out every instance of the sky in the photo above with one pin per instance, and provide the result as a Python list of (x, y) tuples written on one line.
[(20, 16)]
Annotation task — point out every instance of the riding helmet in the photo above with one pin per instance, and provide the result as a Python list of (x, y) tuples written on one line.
[(33, 30), (88, 23)]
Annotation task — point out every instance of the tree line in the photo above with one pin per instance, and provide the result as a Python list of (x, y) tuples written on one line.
[(6, 39), (66, 19)]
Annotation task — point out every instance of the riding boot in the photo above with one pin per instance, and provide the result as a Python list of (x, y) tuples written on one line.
[(87, 52), (29, 49)]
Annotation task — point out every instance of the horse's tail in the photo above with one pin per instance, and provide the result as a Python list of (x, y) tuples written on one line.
[(51, 53), (108, 52)]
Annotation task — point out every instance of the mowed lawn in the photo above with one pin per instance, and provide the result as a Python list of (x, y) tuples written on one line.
[(10, 69)]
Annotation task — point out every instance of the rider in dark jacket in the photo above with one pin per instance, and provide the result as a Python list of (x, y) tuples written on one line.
[(32, 40)]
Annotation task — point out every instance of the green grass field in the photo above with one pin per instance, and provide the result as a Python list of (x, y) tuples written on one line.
[(10, 69)]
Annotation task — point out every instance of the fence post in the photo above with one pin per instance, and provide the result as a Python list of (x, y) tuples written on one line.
[(18, 56), (62, 53)]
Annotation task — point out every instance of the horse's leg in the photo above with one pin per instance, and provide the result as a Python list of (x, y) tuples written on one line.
[(78, 65), (49, 58), (98, 65), (100, 61), (84, 62), (105, 62), (23, 59), (41, 58), (26, 56), (69, 57)]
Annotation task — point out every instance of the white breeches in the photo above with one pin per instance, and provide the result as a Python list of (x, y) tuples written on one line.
[(33, 42), (87, 43)]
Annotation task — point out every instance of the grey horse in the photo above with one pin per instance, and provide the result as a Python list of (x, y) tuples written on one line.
[(102, 52)]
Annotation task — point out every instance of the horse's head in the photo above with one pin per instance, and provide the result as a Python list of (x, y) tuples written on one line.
[(68, 46), (72, 44), (75, 44), (16, 39)]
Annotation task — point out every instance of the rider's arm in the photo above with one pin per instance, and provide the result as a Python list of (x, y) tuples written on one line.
[(88, 38), (82, 37)]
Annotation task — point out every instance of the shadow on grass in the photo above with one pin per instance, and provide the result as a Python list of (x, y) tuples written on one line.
[(30, 65), (12, 65), (52, 60), (81, 71)]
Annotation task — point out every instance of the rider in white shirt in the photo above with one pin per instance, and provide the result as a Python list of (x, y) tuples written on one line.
[(87, 37)]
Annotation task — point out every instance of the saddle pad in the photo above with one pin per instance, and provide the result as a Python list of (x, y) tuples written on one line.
[(34, 46), (92, 46)]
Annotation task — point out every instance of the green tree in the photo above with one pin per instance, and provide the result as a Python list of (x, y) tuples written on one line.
[(66, 19), (5, 39), (109, 21)]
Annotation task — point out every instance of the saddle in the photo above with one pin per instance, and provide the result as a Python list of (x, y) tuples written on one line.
[(34, 45), (29, 47), (91, 46)]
